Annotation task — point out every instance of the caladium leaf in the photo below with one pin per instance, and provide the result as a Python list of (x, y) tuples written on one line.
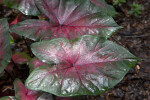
[(52, 8), (87, 65), (22, 93), (27, 7), (68, 19), (5, 50), (8, 98), (35, 63), (20, 57)]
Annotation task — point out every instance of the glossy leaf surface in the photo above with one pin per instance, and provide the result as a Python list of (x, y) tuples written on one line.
[(68, 19), (87, 65), (5, 50), (27, 7), (22, 93)]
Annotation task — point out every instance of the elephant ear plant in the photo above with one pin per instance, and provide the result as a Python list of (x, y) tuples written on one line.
[(69, 19), (87, 65), (72, 54)]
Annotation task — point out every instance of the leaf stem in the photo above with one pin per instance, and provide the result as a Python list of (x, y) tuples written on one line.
[(13, 74), (28, 47)]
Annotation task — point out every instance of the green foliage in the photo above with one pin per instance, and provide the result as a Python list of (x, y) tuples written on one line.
[(136, 9), (118, 2)]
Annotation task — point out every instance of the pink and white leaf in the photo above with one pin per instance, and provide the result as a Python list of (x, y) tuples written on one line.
[(68, 19), (87, 65), (22, 93)]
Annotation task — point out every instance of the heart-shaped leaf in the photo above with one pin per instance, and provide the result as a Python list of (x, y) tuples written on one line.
[(68, 19), (8, 98), (87, 65), (27, 7), (5, 50), (22, 93)]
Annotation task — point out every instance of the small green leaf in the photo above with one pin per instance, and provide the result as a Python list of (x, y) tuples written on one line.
[(11, 40)]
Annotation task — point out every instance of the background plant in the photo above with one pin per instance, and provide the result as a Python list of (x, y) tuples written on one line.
[(118, 2), (136, 9)]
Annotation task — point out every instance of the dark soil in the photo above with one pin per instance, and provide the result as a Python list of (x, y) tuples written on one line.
[(135, 36)]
